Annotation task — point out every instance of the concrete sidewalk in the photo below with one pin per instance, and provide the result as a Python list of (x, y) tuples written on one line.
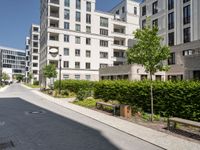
[(154, 137)]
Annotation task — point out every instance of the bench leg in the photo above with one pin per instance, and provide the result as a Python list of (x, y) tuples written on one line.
[(175, 124), (114, 111)]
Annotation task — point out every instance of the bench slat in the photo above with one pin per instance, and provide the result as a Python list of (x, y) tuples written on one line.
[(184, 121)]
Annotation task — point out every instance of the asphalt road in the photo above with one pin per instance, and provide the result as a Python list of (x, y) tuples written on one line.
[(24, 126)]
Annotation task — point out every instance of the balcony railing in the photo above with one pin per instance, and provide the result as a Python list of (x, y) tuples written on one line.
[(54, 2)]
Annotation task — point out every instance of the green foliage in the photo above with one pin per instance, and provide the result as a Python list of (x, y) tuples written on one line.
[(148, 51), (5, 76), (35, 82), (83, 94), (89, 103), (19, 77), (179, 99), (74, 85), (50, 71), (30, 76)]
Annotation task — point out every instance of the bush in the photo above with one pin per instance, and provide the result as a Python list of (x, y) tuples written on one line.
[(35, 82), (179, 99), (83, 94), (74, 85)]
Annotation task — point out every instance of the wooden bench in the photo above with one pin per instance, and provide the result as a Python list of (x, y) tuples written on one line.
[(101, 104), (182, 121)]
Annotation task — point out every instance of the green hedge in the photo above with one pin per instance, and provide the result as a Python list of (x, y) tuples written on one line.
[(74, 85), (180, 99)]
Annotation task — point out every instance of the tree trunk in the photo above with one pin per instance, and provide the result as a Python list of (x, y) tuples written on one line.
[(151, 97)]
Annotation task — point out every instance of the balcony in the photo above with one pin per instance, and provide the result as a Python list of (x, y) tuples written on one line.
[(54, 2), (53, 36), (54, 23), (54, 11)]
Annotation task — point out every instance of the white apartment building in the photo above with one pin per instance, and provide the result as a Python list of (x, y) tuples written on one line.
[(27, 51), (178, 22), (33, 52), (13, 61), (86, 39)]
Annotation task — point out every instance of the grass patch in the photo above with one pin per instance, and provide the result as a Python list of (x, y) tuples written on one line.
[(89, 103), (32, 86)]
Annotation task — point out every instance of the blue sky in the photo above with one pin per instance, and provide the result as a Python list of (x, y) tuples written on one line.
[(16, 16)]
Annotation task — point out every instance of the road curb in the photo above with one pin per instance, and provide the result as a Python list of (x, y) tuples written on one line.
[(3, 88)]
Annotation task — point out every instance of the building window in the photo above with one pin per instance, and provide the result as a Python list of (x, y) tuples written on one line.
[(88, 41), (155, 7), (35, 64), (184, 1), (172, 59), (67, 3), (88, 18), (66, 25), (103, 65), (77, 65), (35, 57), (186, 35), (88, 29), (66, 64), (135, 10), (103, 32), (143, 23), (67, 14), (144, 11), (103, 22), (78, 40), (87, 77), (117, 12), (188, 52), (65, 76), (88, 6), (66, 38), (103, 55), (143, 77), (87, 65), (35, 72), (171, 39), (186, 14), (78, 4), (123, 9), (103, 43), (88, 53), (170, 4), (77, 77), (171, 21), (78, 27), (77, 52), (35, 29), (66, 51), (35, 50), (155, 23), (78, 16)]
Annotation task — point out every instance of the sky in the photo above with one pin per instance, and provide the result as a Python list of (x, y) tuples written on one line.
[(16, 17)]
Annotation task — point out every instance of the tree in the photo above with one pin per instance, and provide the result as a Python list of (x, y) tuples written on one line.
[(49, 71), (150, 53), (30, 76), (5, 76), (19, 77)]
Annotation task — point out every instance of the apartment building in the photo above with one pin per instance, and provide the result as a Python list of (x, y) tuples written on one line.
[(13, 61), (178, 22), (27, 52), (33, 52), (86, 39)]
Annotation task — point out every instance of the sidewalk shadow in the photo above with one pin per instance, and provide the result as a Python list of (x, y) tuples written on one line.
[(31, 127)]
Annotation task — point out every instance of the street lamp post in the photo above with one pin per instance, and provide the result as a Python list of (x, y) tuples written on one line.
[(60, 59)]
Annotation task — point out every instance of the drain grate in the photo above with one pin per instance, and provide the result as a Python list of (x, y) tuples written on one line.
[(6, 145), (36, 112)]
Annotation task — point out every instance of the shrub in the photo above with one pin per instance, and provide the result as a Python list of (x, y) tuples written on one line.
[(36, 82), (180, 99), (83, 94), (74, 85)]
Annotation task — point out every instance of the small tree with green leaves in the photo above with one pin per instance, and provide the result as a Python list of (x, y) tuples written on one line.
[(19, 77), (30, 77), (149, 52), (49, 71), (5, 76)]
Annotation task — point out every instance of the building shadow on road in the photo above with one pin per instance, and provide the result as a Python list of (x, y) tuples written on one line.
[(27, 126)]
